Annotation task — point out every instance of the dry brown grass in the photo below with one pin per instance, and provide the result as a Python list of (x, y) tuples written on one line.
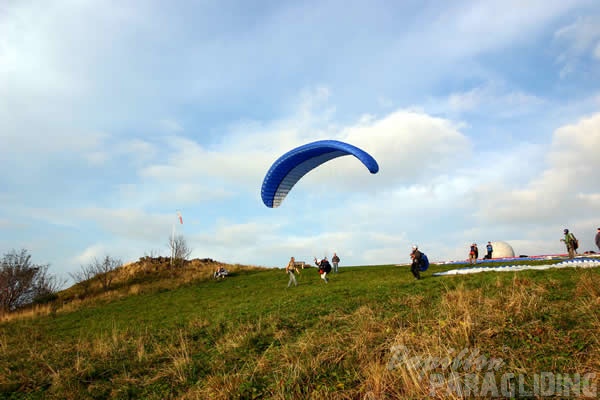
[(377, 350), (589, 286), (179, 365), (28, 313), (217, 387), (467, 320)]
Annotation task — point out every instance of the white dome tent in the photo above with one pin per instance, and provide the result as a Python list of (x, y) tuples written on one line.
[(501, 250)]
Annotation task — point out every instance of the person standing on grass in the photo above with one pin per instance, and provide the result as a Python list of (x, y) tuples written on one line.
[(570, 242), (415, 267), (335, 260), (291, 270), (598, 239), (473, 254), (490, 249)]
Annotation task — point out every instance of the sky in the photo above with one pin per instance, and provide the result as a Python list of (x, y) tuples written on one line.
[(484, 117)]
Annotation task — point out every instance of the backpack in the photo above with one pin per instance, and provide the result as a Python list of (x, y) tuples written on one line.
[(573, 241), (424, 263), (325, 266)]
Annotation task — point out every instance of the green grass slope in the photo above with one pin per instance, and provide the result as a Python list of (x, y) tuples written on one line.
[(249, 336)]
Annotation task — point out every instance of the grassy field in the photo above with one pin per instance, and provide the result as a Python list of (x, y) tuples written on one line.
[(373, 332)]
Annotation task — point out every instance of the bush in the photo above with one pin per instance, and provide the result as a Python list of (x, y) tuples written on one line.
[(22, 283)]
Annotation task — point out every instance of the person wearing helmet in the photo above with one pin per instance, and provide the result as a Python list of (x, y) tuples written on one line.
[(415, 267), (571, 243)]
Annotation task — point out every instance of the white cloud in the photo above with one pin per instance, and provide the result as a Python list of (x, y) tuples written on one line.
[(242, 233), (129, 223), (385, 102), (170, 126), (581, 35), (192, 194), (97, 158), (127, 152), (467, 28), (559, 191), (408, 145), (54, 216), (494, 99), (597, 51), (188, 161), (55, 65), (580, 39), (47, 141), (140, 151), (113, 249), (91, 253)]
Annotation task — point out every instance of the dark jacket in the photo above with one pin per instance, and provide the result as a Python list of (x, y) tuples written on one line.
[(475, 251), (324, 265)]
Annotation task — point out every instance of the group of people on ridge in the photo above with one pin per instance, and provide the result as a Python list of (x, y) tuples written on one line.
[(572, 243), (568, 239), (419, 261), (474, 252), (324, 268)]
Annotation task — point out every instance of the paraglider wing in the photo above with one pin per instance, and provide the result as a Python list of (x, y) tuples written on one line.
[(424, 263), (293, 165)]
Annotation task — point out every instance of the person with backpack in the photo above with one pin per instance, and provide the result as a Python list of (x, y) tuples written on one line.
[(571, 242), (335, 260), (324, 268)]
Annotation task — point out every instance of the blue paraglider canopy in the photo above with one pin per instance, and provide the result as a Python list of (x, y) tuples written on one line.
[(288, 169)]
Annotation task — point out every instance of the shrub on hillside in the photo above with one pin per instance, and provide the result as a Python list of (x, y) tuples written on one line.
[(23, 283)]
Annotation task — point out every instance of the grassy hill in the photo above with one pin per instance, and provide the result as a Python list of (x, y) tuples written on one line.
[(373, 332)]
